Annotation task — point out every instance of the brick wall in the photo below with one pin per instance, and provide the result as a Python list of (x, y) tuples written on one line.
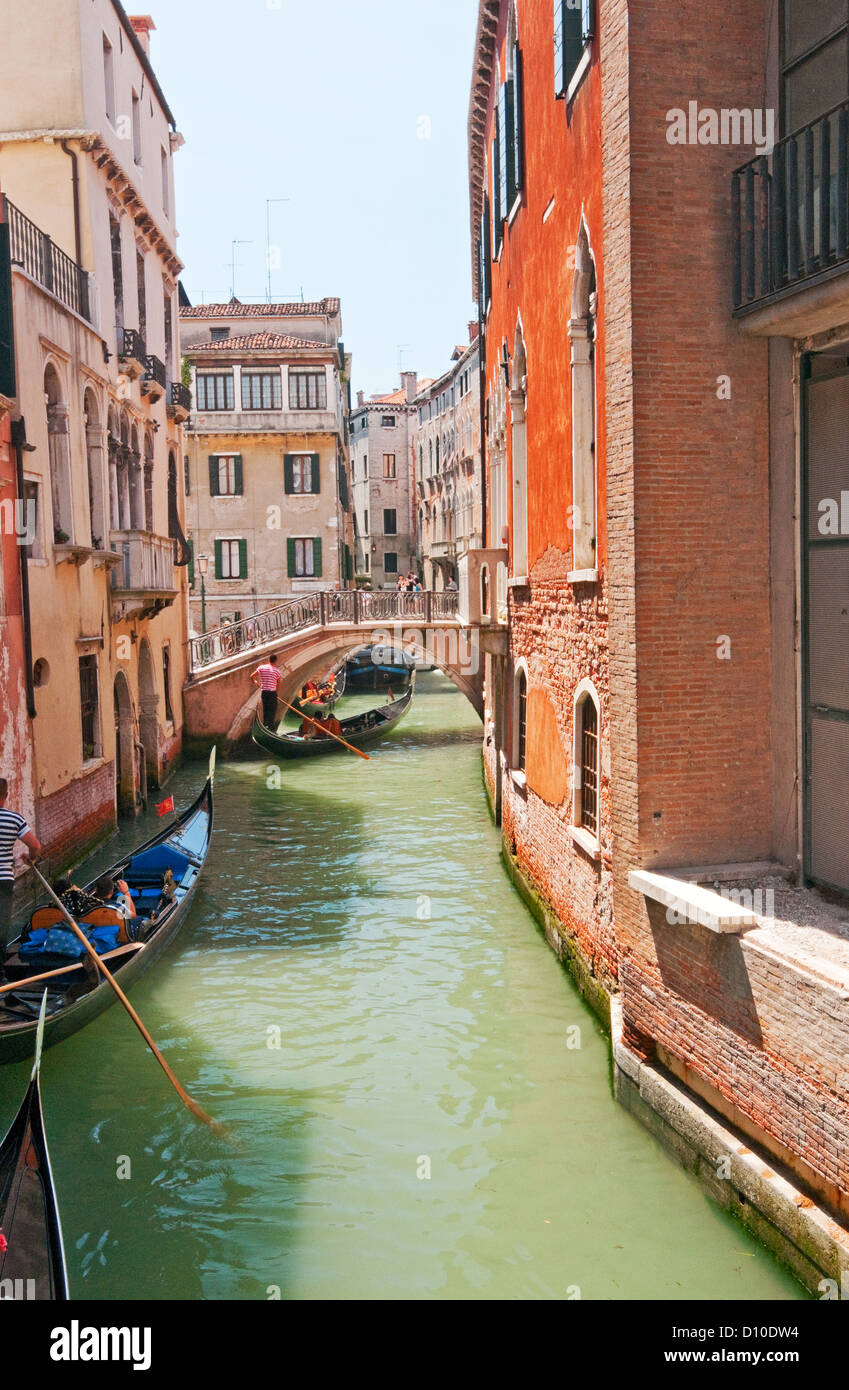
[(76, 816)]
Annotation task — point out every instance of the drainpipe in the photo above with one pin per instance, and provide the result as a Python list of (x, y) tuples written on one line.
[(482, 382), (19, 443), (75, 189)]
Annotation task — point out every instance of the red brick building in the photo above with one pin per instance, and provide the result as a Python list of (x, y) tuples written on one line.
[(664, 292)]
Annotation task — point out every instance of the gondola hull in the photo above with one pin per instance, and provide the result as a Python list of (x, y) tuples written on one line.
[(17, 1037), (292, 746)]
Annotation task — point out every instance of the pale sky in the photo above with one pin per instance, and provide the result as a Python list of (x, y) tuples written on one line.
[(325, 102)]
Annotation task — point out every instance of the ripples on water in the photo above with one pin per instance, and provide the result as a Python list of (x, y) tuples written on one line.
[(359, 914)]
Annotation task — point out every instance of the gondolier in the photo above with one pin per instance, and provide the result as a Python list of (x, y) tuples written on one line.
[(13, 827), (268, 678)]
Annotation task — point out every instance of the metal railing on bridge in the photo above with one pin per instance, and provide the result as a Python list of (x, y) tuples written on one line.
[(345, 608)]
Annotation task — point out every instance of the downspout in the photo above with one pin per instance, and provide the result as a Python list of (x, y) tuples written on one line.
[(75, 190), (19, 442)]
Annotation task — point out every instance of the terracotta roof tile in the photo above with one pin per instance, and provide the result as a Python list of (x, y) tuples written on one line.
[(237, 310), (247, 342)]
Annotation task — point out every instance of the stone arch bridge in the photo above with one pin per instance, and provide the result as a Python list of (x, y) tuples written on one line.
[(310, 635)]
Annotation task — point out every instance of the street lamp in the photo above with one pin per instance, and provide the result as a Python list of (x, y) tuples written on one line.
[(202, 563)]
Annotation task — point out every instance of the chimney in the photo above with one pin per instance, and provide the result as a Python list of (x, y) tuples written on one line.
[(410, 382), (361, 398), (474, 330), (142, 23)]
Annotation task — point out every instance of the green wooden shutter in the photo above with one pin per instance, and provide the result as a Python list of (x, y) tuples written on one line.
[(218, 565), (497, 209), (315, 479), (290, 557), (559, 38), (8, 384), (237, 469), (191, 564), (505, 141), (573, 38), (243, 559), (518, 170), (288, 475), (213, 475), (316, 557)]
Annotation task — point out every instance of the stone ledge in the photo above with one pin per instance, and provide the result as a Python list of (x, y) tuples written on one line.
[(699, 906)]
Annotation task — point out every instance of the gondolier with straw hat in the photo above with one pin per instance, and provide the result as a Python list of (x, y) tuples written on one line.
[(268, 678), (13, 827)]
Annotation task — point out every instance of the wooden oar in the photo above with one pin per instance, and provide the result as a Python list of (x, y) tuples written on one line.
[(181, 1091), (66, 969), (328, 732)]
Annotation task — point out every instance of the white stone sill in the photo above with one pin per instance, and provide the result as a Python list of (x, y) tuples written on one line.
[(519, 581), (519, 779), (578, 74), (588, 842), (582, 576), (699, 906)]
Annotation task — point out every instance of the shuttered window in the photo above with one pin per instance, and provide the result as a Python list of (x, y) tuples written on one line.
[(302, 474), (389, 465), (390, 521), (261, 391), (574, 28), (215, 391), (497, 208), (304, 557), (231, 559), (517, 151), (225, 475)]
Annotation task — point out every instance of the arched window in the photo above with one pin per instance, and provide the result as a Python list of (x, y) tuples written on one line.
[(96, 471), (148, 480), (124, 474), (582, 341), (520, 748), (113, 445), (586, 764), (136, 483), (59, 457)]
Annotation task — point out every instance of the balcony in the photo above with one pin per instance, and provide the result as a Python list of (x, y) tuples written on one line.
[(37, 255), (180, 404), (443, 549), (133, 353), (791, 217), (142, 583), (483, 596), (154, 382)]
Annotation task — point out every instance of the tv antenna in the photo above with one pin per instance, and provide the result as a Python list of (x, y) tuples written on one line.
[(268, 203), (233, 246)]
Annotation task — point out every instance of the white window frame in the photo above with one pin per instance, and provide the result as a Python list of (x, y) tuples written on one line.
[(519, 774), (304, 541), (227, 463), (585, 690), (230, 541)]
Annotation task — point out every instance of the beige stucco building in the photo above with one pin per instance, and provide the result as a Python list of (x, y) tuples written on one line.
[(267, 455), (382, 430), (86, 144)]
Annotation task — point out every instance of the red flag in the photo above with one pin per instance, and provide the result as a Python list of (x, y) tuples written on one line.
[(163, 807)]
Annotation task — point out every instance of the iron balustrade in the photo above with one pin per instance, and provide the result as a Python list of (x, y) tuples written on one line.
[(181, 395), (791, 212), (132, 345), (344, 608), (36, 253), (155, 371)]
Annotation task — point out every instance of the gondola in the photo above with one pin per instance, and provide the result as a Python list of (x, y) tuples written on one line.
[(76, 994), (315, 707), (32, 1257), (360, 730)]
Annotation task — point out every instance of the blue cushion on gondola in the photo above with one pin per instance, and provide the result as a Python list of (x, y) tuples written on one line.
[(156, 860)]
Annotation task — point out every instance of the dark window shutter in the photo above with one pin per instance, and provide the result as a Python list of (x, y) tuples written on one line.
[(288, 474), (243, 559), (218, 565), (588, 19), (290, 557), (497, 209), (518, 123), (7, 326), (237, 469), (316, 557), (191, 564), (315, 474), (573, 41), (559, 41), (213, 475), (505, 146)]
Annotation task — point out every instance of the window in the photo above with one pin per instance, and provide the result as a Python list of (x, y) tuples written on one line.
[(231, 559), (365, 465), (89, 707), (304, 556), (215, 391), (262, 391), (165, 181), (109, 79), (307, 390), (142, 294), (521, 720), (117, 274), (32, 520), (387, 422), (389, 465), (365, 519), (225, 475), (137, 145), (219, 335), (168, 320), (390, 562), (166, 677), (390, 522), (589, 767), (814, 60), (187, 486), (302, 474)]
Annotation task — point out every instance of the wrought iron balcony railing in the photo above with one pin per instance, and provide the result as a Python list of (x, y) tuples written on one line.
[(40, 257), (155, 371), (132, 346), (791, 213), (181, 395)]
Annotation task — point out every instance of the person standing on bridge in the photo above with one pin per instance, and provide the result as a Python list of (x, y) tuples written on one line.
[(268, 678)]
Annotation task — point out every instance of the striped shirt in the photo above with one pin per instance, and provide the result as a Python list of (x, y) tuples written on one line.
[(269, 676), (12, 827)]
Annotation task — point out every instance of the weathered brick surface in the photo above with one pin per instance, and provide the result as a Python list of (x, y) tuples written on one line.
[(76, 816)]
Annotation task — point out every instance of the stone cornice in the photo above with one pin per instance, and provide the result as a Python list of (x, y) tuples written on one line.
[(482, 71)]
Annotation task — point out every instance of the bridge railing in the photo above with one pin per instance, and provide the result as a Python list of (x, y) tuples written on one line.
[(345, 608)]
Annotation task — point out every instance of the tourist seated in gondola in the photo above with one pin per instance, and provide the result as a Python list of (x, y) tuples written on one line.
[(117, 895), (77, 901), (324, 726)]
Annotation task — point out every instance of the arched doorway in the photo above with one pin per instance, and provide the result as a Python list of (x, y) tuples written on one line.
[(148, 710), (125, 763)]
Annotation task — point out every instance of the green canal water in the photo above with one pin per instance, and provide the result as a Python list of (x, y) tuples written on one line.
[(437, 1121)]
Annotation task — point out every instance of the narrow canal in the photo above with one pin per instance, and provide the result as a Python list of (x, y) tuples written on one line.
[(437, 1120)]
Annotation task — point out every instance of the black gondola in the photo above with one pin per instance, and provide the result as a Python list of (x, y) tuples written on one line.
[(32, 1257), (76, 994), (360, 730)]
